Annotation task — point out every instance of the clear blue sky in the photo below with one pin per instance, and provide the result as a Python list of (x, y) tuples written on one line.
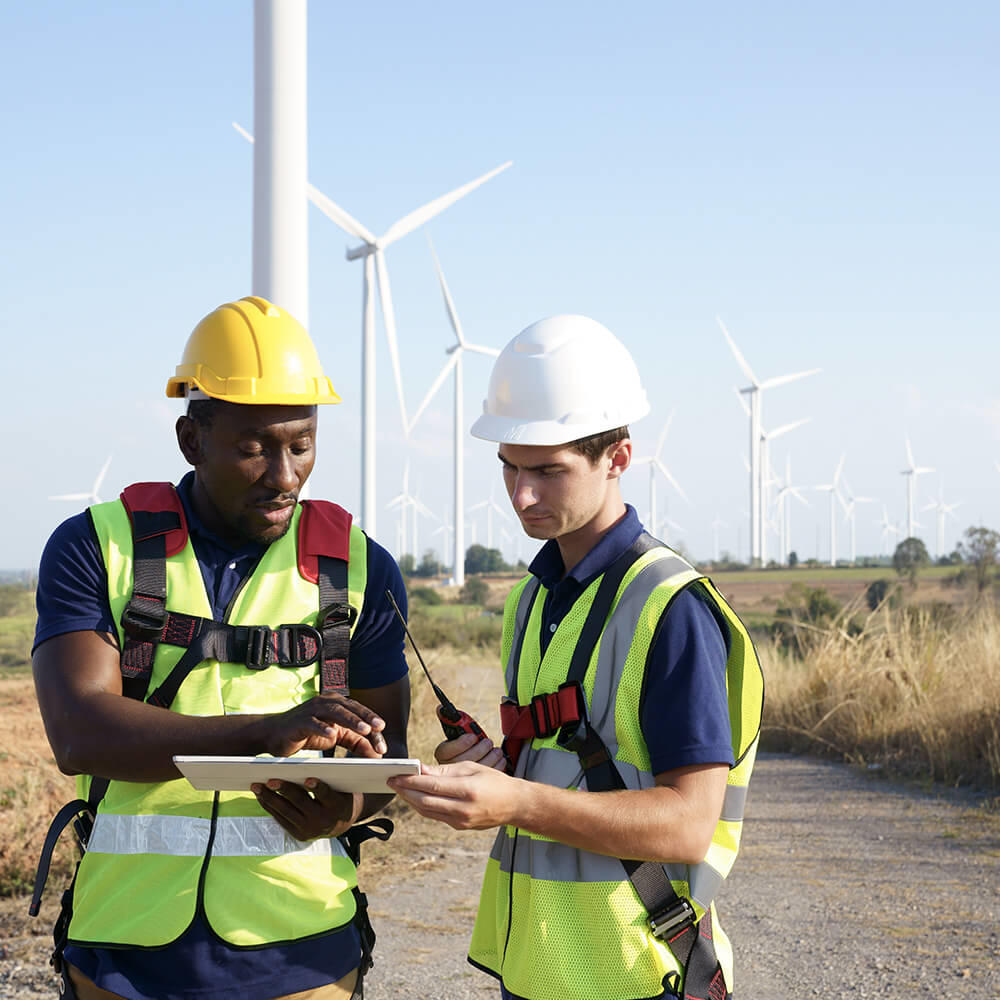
[(823, 177)]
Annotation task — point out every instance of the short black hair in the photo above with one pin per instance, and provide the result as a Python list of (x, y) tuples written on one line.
[(598, 444), (203, 411)]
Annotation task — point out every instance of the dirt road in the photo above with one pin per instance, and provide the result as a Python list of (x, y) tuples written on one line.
[(847, 886)]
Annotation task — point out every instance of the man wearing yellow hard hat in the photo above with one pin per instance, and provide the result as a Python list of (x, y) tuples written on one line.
[(220, 617)]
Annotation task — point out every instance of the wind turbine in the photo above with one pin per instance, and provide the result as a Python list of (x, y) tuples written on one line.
[(767, 477), (92, 496), (831, 488), (911, 472), (491, 507), (716, 524), (785, 510), (454, 363), (655, 464), (372, 250), (888, 528), (408, 502), (943, 510), (849, 514), (754, 391)]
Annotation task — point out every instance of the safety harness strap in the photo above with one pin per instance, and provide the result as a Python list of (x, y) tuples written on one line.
[(336, 616)]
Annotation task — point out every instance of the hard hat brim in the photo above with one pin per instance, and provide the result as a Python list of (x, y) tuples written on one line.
[(550, 433)]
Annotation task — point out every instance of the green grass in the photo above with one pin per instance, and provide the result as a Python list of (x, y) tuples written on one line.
[(821, 574), (17, 631)]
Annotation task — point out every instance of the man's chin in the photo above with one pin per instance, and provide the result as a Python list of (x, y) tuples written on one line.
[(264, 536)]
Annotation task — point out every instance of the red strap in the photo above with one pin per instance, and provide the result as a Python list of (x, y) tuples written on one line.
[(541, 717), (156, 497), (324, 530)]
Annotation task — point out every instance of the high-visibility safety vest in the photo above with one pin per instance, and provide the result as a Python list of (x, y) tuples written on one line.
[(555, 921), (161, 852)]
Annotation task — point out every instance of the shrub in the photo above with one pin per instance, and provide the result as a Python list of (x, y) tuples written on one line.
[(475, 591), (425, 595)]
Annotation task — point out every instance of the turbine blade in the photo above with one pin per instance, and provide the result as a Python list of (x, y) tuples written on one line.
[(339, 216), (909, 454), (243, 132), (785, 428), (479, 349), (783, 379), (385, 296), (426, 212), (664, 433), (101, 475), (71, 496), (743, 402), (740, 360), (670, 479), (449, 303), (435, 385)]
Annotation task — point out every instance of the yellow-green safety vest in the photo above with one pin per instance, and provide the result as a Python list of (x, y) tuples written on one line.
[(557, 922), (159, 851)]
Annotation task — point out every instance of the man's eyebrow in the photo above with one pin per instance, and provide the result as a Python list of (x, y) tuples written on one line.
[(531, 468)]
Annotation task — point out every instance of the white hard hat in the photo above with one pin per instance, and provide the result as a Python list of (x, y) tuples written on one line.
[(561, 379)]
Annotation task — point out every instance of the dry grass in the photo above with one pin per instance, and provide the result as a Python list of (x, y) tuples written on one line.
[(914, 692)]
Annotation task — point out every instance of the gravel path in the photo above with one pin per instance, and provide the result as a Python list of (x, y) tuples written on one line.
[(846, 886)]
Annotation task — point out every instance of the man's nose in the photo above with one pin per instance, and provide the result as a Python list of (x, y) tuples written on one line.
[(283, 474), (523, 495)]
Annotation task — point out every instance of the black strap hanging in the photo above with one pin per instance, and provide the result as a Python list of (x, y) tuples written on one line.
[(336, 616)]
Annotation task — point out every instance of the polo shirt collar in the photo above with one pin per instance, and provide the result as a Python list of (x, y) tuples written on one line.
[(197, 527), (548, 565)]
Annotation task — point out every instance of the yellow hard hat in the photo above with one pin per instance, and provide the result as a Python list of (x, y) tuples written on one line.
[(251, 351)]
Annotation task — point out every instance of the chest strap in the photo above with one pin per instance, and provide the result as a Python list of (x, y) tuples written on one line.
[(159, 530)]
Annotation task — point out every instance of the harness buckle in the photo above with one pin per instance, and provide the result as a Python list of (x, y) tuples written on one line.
[(336, 614), (672, 919), (145, 624), (296, 632), (260, 652)]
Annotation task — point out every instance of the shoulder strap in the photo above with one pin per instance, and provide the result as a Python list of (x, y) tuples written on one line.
[(159, 529), (323, 553)]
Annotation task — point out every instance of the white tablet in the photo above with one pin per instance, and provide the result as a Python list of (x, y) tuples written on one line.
[(343, 774)]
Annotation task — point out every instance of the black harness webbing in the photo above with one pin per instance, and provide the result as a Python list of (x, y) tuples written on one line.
[(671, 917)]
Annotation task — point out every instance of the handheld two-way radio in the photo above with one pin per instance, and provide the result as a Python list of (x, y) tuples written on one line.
[(453, 720)]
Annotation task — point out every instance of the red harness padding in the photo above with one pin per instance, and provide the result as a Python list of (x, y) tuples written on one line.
[(540, 718)]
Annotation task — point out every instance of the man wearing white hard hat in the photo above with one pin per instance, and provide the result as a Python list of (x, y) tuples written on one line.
[(632, 713)]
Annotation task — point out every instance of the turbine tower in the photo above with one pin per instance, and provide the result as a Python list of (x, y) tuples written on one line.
[(911, 472), (887, 528), (754, 391), (280, 210), (372, 250), (785, 510), (456, 351)]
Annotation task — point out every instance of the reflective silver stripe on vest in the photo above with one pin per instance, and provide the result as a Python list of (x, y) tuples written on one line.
[(186, 836), (617, 638), (561, 768), (734, 804)]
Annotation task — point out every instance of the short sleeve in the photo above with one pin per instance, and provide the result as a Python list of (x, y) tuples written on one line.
[(72, 594), (685, 708), (377, 646)]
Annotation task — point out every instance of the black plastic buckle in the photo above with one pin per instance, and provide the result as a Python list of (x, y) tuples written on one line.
[(336, 614), (259, 648), (144, 625), (673, 919), (540, 717), (295, 632)]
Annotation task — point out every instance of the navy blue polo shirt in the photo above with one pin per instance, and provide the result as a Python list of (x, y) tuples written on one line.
[(72, 596)]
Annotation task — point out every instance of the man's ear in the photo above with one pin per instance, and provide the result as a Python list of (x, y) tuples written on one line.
[(619, 458), (189, 440)]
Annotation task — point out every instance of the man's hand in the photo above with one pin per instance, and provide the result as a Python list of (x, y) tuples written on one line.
[(325, 722), (470, 747), (466, 796), (310, 812)]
